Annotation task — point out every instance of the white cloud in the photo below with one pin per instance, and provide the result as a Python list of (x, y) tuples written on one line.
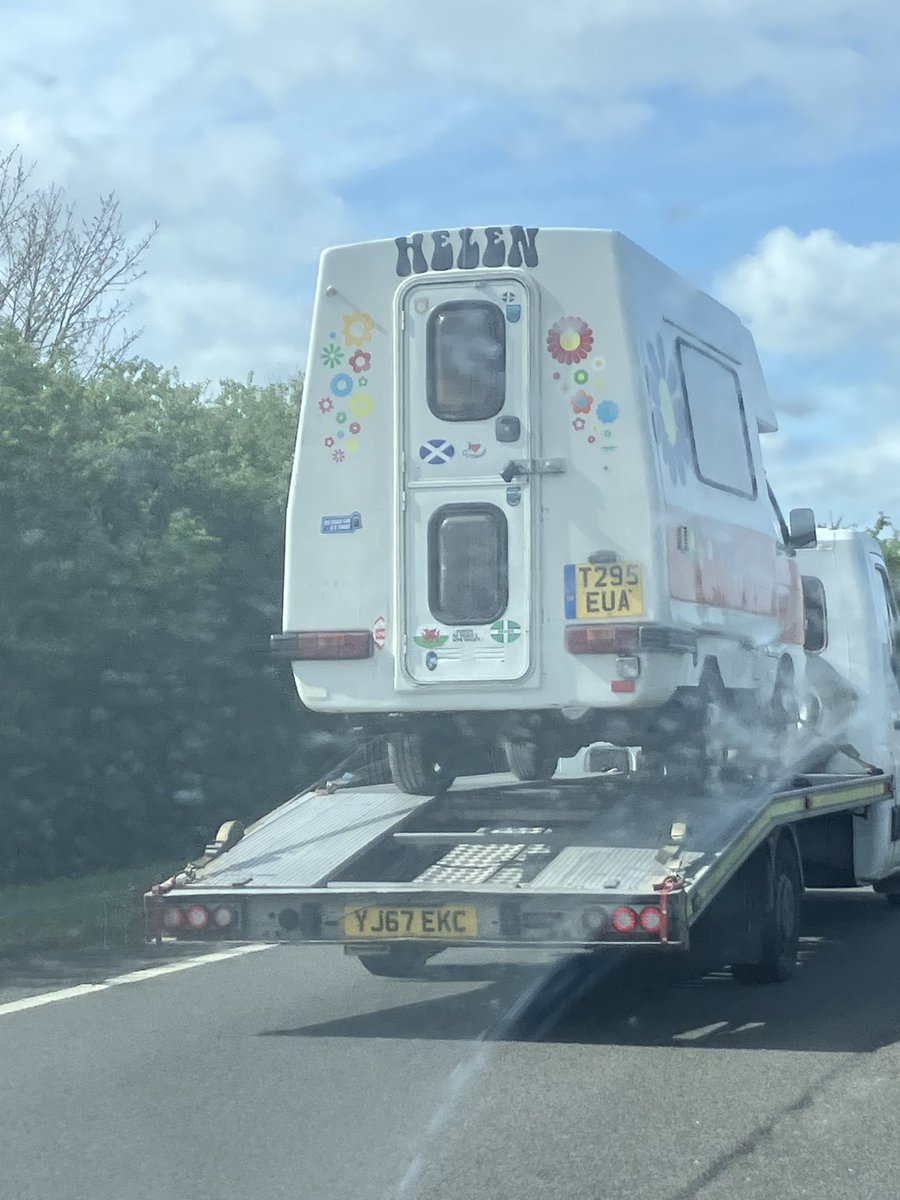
[(816, 293), (241, 126)]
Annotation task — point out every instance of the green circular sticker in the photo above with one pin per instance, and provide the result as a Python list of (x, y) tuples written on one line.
[(580, 376), (506, 631)]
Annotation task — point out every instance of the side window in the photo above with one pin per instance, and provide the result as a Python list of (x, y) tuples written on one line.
[(466, 360), (891, 606), (718, 425), (815, 615)]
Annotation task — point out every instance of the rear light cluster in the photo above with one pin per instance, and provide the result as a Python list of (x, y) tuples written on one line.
[(602, 639), (323, 645), (624, 920), (197, 918)]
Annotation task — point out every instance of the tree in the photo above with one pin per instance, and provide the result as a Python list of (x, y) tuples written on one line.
[(61, 278), (887, 535), (141, 536)]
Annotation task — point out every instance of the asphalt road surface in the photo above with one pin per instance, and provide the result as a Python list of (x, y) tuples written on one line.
[(292, 1073)]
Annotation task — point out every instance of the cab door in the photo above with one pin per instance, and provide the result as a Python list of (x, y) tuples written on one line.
[(466, 539)]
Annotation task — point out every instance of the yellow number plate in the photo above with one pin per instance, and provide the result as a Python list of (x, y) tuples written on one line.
[(597, 592), (447, 923)]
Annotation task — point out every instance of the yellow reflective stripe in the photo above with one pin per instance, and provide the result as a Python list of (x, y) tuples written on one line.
[(801, 803)]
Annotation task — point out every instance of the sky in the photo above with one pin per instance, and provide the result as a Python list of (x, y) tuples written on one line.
[(752, 145)]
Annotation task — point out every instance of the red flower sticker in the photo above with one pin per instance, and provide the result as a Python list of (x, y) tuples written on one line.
[(359, 361), (570, 340)]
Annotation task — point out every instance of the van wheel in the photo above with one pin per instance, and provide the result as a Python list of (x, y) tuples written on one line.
[(419, 765), (400, 962), (701, 755), (375, 767), (781, 924), (530, 762)]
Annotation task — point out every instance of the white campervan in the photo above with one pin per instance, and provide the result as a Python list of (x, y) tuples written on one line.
[(529, 507)]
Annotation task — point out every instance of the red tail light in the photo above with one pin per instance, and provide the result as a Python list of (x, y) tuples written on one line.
[(323, 644), (651, 920), (196, 917), (624, 920), (602, 639)]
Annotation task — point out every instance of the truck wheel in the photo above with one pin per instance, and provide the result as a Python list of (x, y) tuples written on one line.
[(701, 754), (530, 762), (400, 962), (781, 924), (418, 764), (375, 768)]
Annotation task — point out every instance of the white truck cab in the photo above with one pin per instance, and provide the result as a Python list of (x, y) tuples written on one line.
[(529, 506)]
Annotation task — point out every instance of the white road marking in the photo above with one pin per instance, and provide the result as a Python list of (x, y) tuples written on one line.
[(87, 989)]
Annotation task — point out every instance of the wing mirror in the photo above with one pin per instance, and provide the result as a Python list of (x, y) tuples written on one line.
[(803, 529)]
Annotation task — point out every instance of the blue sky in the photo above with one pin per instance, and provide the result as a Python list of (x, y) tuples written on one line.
[(752, 145)]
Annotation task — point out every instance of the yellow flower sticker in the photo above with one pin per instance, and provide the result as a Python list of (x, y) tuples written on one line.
[(358, 328), (361, 404)]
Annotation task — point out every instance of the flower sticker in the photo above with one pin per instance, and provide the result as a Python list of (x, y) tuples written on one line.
[(332, 355), (329, 442), (358, 328), (578, 424), (667, 407), (326, 405), (363, 381), (570, 340), (338, 455), (341, 418), (582, 402), (359, 361), (607, 412), (361, 405), (354, 427), (580, 376), (342, 385)]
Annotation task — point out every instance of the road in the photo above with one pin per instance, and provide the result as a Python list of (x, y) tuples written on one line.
[(292, 1073)]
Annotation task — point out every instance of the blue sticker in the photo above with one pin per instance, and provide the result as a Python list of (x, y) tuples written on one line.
[(342, 385), (569, 583), (513, 313), (431, 660), (436, 452), (607, 411), (348, 524), (513, 495)]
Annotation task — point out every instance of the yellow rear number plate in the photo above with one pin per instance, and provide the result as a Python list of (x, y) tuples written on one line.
[(378, 922), (594, 592)]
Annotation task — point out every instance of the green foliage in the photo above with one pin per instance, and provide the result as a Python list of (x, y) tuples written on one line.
[(887, 535), (141, 542)]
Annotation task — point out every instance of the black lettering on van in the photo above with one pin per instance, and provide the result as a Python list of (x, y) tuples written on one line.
[(442, 258), (523, 246), (495, 252), (404, 246), (469, 254)]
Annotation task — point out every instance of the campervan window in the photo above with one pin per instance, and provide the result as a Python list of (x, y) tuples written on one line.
[(717, 422), (466, 360), (467, 564), (816, 617)]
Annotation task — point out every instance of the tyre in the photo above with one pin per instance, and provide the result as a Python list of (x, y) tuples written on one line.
[(781, 924), (400, 962), (419, 765), (700, 753), (375, 767), (530, 762)]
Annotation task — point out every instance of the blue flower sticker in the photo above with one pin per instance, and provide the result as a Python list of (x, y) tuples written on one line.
[(607, 411), (342, 385), (667, 408)]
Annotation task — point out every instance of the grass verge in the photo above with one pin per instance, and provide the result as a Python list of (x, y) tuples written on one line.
[(101, 909)]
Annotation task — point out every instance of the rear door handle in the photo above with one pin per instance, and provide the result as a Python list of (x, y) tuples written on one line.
[(532, 466)]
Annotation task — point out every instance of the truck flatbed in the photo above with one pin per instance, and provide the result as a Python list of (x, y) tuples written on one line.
[(603, 860)]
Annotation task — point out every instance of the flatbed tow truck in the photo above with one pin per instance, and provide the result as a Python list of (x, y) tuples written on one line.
[(611, 860)]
